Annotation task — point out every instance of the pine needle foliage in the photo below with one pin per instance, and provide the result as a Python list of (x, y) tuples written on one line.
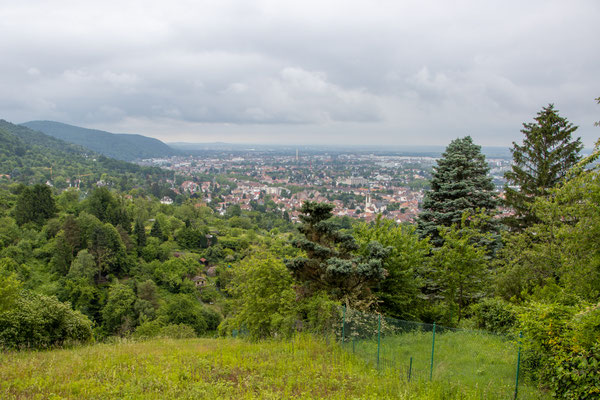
[(331, 263), (539, 164), (460, 184)]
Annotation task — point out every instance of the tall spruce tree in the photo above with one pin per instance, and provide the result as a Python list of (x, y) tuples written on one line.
[(460, 183), (539, 164)]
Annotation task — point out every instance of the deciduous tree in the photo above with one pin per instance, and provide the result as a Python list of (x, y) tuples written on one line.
[(399, 293), (35, 204)]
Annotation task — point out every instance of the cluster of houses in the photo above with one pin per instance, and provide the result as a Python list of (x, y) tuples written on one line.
[(247, 192)]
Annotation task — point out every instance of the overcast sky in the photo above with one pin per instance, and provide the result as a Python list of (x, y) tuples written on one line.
[(352, 72)]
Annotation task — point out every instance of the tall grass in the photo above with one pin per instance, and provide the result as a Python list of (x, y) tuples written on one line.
[(477, 360), (304, 367)]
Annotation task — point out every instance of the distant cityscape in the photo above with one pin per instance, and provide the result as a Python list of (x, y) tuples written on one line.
[(360, 185)]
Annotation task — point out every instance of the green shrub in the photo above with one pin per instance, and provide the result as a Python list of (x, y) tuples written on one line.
[(10, 287), (118, 313), (576, 375), (158, 328), (586, 327), (212, 318), (562, 349), (494, 315), (319, 314), (543, 326), (38, 321), (263, 297), (179, 331), (148, 329), (186, 309), (209, 294)]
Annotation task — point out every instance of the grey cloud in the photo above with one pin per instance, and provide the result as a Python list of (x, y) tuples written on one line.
[(395, 72)]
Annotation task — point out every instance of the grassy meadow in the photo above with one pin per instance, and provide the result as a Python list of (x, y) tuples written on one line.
[(305, 367), (475, 359)]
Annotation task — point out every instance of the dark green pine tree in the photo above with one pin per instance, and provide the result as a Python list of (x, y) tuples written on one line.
[(35, 204), (539, 164), (140, 233), (157, 231), (331, 264), (460, 183)]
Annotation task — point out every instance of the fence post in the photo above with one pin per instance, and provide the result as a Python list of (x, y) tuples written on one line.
[(378, 340), (518, 366), (432, 351), (344, 325), (410, 369)]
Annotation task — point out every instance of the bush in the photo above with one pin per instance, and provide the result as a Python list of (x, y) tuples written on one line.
[(38, 321), (179, 331), (172, 273), (562, 349), (543, 327), (494, 315), (118, 313), (157, 328), (576, 375), (10, 287), (185, 309), (319, 314), (212, 318), (209, 294), (148, 329)]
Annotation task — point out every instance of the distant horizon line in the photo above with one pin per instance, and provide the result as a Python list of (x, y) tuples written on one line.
[(434, 148)]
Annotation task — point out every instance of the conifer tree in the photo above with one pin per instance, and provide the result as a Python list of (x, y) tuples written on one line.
[(539, 163), (140, 233), (460, 183), (331, 264), (157, 231)]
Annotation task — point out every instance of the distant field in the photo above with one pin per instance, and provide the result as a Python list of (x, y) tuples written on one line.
[(212, 368)]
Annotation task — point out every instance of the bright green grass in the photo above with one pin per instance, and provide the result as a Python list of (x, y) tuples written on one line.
[(475, 359), (305, 367)]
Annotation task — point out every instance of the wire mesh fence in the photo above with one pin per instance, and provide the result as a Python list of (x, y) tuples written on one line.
[(419, 353), (430, 352)]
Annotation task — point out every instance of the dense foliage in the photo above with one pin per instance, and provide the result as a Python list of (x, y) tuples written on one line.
[(35, 320), (31, 157), (84, 264)]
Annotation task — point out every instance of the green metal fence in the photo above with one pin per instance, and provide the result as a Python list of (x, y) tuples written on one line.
[(430, 352)]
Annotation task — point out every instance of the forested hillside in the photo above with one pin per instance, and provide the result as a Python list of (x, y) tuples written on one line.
[(121, 146), (78, 266), (29, 157)]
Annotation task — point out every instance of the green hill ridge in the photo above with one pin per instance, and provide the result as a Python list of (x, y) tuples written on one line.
[(127, 147), (29, 157)]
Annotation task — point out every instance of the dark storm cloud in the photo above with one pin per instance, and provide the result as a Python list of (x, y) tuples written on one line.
[(363, 72)]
